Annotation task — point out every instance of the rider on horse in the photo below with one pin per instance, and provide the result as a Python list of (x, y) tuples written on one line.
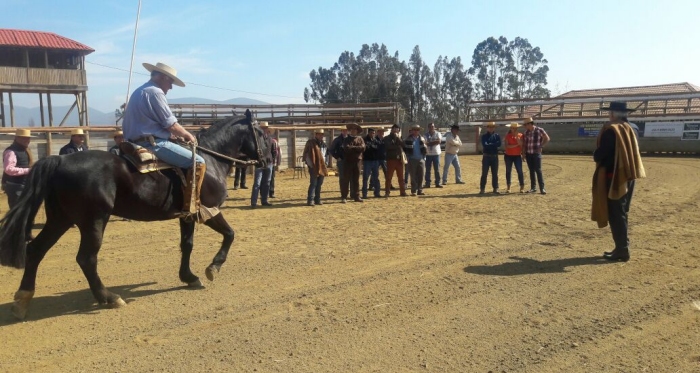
[(148, 122)]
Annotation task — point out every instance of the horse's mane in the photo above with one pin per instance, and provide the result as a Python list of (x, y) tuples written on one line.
[(218, 134)]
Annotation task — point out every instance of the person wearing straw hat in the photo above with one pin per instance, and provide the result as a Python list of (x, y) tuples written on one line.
[(315, 158), (76, 144), (263, 175), (513, 156), (353, 147), (534, 139), (17, 161), (618, 164), (148, 122), (452, 144), (490, 142), (118, 137), (415, 148)]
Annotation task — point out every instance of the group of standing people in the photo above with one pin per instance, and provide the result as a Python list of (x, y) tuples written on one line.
[(518, 147)]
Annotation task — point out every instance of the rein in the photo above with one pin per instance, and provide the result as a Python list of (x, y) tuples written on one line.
[(226, 157)]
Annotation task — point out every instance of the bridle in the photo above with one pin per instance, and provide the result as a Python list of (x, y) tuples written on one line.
[(258, 147)]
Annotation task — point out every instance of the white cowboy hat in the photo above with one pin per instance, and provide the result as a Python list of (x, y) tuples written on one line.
[(166, 70), (264, 125), (22, 132)]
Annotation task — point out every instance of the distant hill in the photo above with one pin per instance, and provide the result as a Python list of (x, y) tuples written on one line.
[(25, 116)]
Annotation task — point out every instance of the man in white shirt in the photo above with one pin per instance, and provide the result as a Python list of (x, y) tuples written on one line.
[(452, 144), (432, 159)]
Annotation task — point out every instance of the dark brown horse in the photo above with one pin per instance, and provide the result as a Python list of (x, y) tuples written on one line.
[(86, 188)]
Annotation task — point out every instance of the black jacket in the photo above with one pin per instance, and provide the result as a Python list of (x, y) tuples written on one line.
[(71, 148)]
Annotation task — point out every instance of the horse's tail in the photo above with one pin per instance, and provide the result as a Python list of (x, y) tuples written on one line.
[(18, 221)]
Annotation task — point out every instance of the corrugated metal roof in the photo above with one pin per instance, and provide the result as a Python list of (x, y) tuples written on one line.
[(40, 39), (643, 90)]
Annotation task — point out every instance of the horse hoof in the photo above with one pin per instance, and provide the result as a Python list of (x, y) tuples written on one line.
[(116, 303), (195, 284), (21, 305), (210, 271)]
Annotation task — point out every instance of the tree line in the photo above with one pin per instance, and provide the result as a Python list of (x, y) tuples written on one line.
[(500, 69)]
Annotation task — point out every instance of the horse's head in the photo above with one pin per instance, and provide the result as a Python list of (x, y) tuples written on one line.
[(253, 144)]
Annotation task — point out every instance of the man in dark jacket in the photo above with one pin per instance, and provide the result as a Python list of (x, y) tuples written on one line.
[(118, 139), (17, 161), (336, 150), (394, 160), (370, 163), (490, 142), (353, 147), (618, 163), (76, 144)]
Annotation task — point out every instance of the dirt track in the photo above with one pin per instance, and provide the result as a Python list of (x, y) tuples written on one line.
[(446, 282)]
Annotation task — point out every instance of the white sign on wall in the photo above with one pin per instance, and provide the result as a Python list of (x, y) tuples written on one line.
[(663, 129)]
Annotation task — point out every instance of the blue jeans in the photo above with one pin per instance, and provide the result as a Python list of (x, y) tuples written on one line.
[(431, 160), (172, 153), (518, 162), (452, 159), (370, 170), (261, 185), (489, 162), (534, 165), (272, 182), (315, 183)]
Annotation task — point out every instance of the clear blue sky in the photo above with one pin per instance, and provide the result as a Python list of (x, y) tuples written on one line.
[(270, 46)]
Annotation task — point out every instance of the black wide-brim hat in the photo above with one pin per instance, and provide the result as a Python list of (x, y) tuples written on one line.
[(618, 106)]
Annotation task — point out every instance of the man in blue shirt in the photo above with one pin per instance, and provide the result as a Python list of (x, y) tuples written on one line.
[(148, 122), (490, 142)]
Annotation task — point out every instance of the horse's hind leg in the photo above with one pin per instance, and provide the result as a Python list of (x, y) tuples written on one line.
[(90, 242), (186, 244), (36, 250), (219, 224)]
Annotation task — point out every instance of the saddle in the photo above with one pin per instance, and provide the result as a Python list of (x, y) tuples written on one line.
[(142, 159), (145, 161)]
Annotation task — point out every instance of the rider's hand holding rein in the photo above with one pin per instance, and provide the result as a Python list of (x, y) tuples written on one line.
[(178, 131)]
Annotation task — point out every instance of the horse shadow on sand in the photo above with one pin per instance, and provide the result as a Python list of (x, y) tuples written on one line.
[(78, 302), (526, 266)]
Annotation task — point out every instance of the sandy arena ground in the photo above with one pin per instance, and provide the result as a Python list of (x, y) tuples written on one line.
[(447, 282)]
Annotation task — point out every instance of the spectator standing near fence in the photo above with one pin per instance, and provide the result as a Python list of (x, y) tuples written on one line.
[(353, 147), (277, 159), (432, 157), (370, 164), (17, 162), (534, 139), (394, 161), (415, 149), (490, 142), (336, 150), (452, 144), (315, 158), (512, 156)]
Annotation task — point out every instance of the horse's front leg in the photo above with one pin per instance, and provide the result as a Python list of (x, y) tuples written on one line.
[(219, 224), (186, 244)]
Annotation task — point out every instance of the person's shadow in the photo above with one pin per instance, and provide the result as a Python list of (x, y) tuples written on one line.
[(526, 266), (76, 302)]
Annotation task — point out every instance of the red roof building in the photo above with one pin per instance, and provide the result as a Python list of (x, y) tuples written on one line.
[(44, 63), (40, 39)]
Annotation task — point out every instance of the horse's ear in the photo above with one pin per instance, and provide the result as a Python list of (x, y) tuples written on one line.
[(249, 116)]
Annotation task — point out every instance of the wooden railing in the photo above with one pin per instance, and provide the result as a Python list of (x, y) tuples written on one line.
[(18, 76)]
